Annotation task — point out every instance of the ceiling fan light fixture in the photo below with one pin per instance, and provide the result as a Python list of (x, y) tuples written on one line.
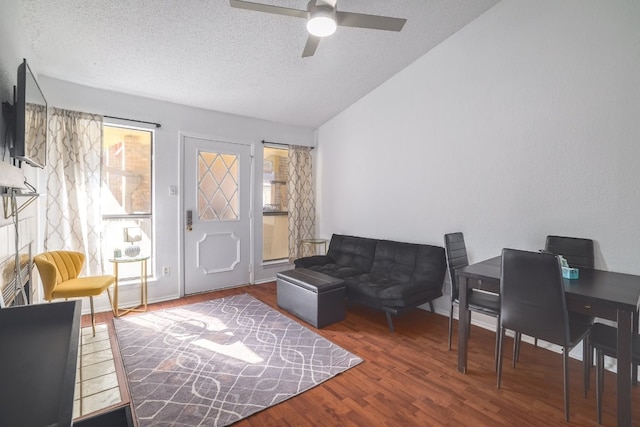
[(322, 22)]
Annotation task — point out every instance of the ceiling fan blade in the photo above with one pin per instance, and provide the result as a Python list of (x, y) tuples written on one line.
[(374, 22), (311, 46), (240, 4)]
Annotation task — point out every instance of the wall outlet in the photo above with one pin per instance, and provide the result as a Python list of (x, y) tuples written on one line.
[(166, 271)]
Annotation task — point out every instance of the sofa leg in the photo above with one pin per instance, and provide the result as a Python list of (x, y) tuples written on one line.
[(389, 321)]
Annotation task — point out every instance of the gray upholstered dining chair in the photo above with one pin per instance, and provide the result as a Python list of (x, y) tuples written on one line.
[(533, 303), (479, 301), (603, 339), (577, 251)]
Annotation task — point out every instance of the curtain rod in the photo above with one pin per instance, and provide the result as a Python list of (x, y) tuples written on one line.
[(157, 125), (279, 143)]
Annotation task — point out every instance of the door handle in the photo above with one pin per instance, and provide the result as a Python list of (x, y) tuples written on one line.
[(189, 221)]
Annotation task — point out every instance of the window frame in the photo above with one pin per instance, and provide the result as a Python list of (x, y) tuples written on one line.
[(283, 209), (137, 217)]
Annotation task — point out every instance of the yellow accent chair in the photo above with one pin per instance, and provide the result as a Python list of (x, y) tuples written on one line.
[(59, 271)]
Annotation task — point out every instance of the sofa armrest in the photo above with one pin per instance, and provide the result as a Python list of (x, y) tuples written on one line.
[(312, 260)]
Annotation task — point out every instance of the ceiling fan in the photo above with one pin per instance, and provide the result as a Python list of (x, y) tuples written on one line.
[(323, 18)]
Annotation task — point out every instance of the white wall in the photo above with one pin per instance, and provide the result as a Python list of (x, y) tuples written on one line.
[(175, 119), (524, 123), (13, 49)]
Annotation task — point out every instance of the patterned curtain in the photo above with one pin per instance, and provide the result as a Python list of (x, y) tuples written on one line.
[(73, 186), (35, 123), (301, 207)]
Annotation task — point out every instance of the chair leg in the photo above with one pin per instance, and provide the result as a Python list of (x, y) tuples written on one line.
[(495, 356), (515, 349), (588, 361), (500, 348), (565, 370), (586, 364), (110, 301), (93, 317), (535, 342), (450, 325), (634, 367), (389, 321), (517, 338), (599, 384), (431, 307)]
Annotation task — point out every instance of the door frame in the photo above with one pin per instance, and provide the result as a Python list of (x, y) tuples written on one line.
[(182, 216)]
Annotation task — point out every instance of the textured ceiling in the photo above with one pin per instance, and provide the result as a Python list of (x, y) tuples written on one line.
[(203, 53)]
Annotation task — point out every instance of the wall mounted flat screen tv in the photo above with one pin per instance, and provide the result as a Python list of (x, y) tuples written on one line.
[(30, 138)]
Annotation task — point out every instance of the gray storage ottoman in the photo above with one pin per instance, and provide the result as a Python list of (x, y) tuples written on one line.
[(313, 297)]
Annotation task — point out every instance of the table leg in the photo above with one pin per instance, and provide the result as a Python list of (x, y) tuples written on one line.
[(116, 311), (624, 367), (634, 368), (143, 283), (463, 316)]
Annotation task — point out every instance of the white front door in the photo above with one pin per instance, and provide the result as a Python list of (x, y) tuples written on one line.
[(217, 203)]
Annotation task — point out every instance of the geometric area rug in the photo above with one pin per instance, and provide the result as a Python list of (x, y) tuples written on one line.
[(213, 363)]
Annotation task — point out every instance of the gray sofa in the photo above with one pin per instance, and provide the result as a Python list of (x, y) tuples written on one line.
[(383, 274)]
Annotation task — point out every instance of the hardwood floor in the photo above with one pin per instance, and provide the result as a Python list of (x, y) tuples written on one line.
[(408, 378)]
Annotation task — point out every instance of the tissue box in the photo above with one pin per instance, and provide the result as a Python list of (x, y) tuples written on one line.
[(569, 273)]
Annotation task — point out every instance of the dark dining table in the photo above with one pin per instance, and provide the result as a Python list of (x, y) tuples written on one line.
[(604, 294)]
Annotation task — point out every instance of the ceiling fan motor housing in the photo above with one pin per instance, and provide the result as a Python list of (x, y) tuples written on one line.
[(322, 19)]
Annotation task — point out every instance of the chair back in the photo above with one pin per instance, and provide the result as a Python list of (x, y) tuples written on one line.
[(577, 251), (456, 253), (532, 292), (56, 267)]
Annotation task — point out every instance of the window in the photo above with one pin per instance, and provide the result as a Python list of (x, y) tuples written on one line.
[(126, 191), (275, 221)]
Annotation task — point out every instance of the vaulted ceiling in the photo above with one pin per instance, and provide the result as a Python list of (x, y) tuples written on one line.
[(204, 53)]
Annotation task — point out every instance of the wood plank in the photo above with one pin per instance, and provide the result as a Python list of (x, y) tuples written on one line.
[(410, 378)]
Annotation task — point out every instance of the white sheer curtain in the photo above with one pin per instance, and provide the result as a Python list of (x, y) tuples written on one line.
[(302, 209), (73, 220)]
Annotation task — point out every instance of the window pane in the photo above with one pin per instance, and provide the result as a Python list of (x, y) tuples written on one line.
[(126, 171), (217, 186), (275, 223), (126, 193)]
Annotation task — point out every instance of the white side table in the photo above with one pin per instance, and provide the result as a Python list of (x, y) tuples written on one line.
[(117, 312)]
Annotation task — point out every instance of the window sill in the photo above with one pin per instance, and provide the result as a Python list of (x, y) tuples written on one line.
[(276, 262), (135, 281)]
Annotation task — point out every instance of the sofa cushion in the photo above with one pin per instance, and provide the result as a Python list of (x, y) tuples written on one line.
[(377, 291), (354, 252), (409, 295), (431, 265), (394, 260), (335, 270), (409, 262)]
